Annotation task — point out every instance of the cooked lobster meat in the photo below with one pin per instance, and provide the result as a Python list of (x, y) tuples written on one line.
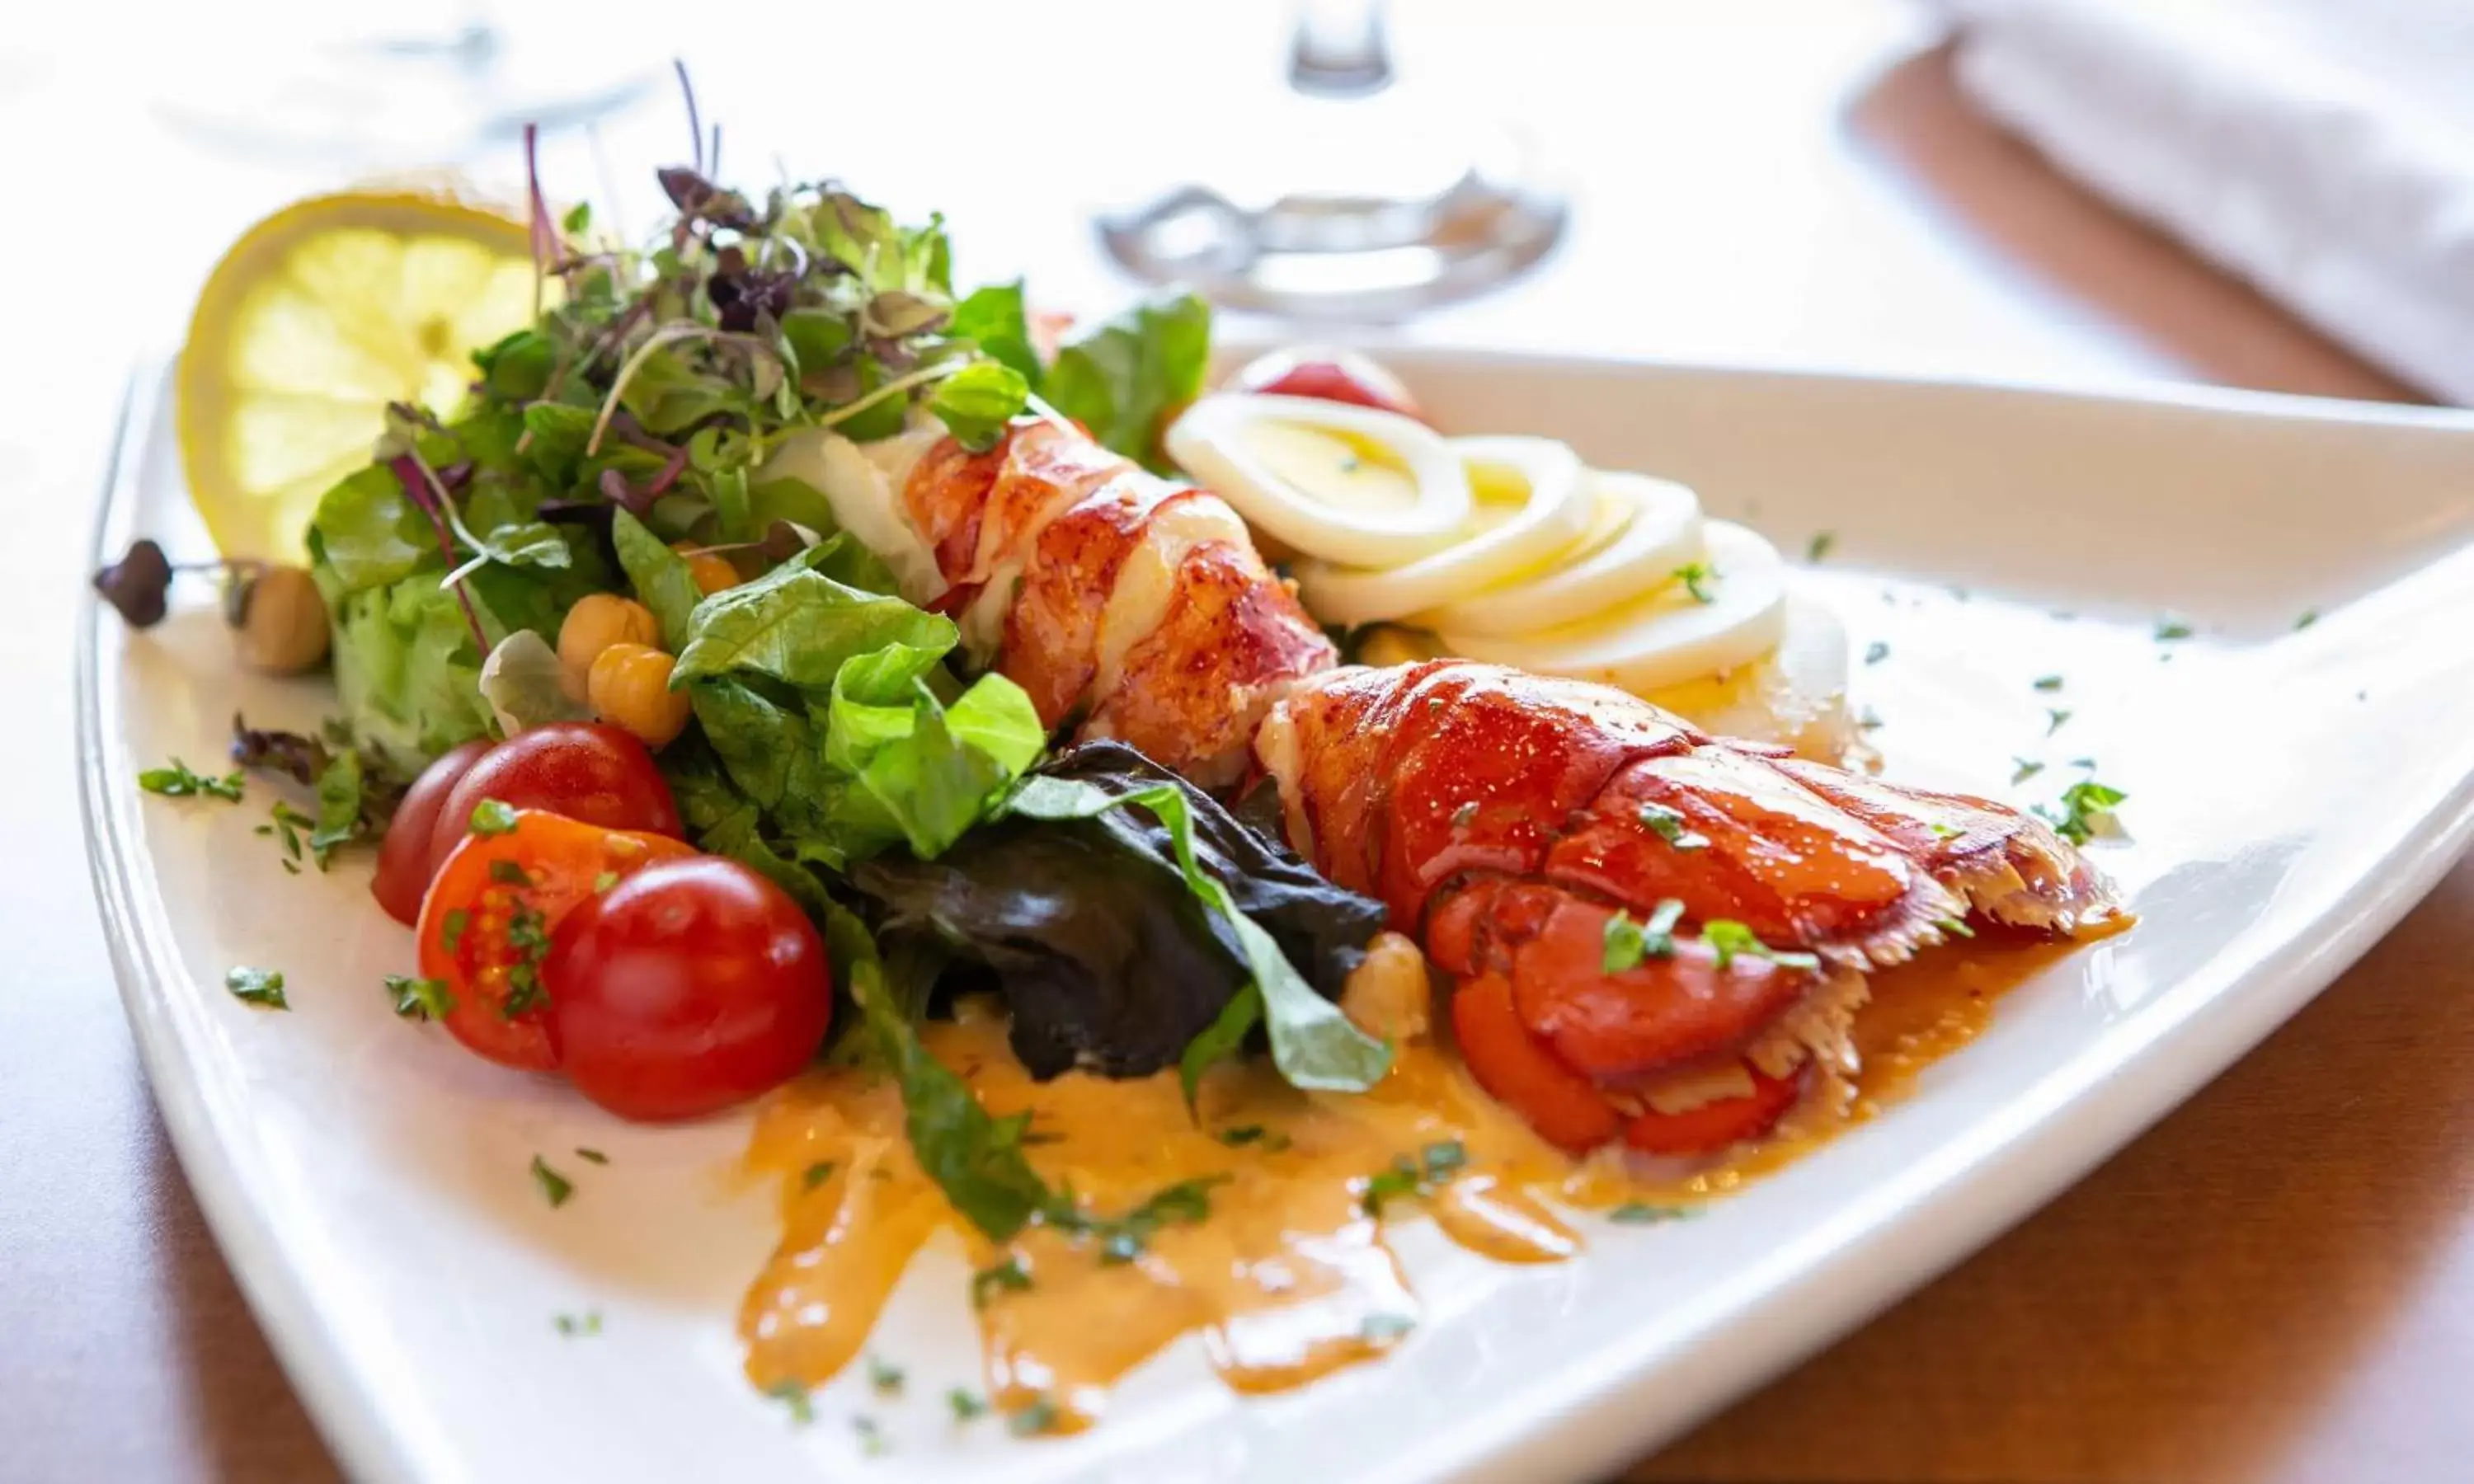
[(1654, 935)]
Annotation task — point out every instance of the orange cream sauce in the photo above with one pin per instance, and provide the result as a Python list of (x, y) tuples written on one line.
[(1288, 1277)]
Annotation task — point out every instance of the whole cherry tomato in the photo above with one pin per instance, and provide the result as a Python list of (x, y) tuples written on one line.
[(689, 986), (587, 770), (404, 856), (486, 922), (1326, 375)]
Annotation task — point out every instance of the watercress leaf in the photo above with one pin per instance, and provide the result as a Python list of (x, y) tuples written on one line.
[(993, 319), (369, 533), (978, 401), (1122, 377)]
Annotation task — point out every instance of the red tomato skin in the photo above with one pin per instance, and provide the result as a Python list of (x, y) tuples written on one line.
[(690, 986), (403, 857), (1328, 377), (589, 772), (560, 863)]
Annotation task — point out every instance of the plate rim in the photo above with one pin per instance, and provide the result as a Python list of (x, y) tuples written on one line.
[(1994, 1175)]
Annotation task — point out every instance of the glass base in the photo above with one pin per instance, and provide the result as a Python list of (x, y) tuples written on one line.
[(1370, 208)]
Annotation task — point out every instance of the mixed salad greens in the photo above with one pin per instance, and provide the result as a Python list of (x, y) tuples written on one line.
[(658, 415)]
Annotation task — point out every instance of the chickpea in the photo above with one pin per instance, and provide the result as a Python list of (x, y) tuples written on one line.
[(1389, 994), (277, 619), (630, 689), (712, 570), (597, 621)]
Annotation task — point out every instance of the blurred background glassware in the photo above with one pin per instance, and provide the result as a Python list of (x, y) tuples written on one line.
[(1356, 195), (344, 87)]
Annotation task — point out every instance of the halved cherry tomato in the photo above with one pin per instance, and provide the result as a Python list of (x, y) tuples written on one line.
[(486, 923), (689, 986), (1329, 376), (587, 770), (403, 857)]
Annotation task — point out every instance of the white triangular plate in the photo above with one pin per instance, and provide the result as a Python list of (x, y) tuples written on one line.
[(2291, 792)]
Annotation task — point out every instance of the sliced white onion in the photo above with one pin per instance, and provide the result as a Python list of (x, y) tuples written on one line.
[(1667, 637), (1657, 530), (1211, 444), (1554, 515)]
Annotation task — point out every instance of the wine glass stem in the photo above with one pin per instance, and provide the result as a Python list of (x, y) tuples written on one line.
[(1339, 49)]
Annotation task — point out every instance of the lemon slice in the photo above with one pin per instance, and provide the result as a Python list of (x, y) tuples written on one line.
[(319, 316)]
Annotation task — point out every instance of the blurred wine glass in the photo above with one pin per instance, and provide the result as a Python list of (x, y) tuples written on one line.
[(1355, 195), (353, 87)]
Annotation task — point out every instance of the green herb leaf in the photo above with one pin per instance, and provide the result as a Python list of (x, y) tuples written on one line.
[(2048, 683), (884, 1376), (993, 320), (978, 401), (2027, 768), (2086, 811), (1876, 652), (1729, 938), (2054, 717), (494, 817), (1668, 825), (555, 1188), (2170, 628), (176, 782), (799, 626), (1123, 377), (816, 1174), (419, 1000), (591, 1155), (1637, 1213), (2305, 619), (1818, 548), (1006, 1276), (259, 987), (1031, 1422), (966, 1406), (1696, 577), (794, 1397), (578, 1326), (1626, 943)]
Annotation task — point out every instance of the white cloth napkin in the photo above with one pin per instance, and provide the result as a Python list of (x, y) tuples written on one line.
[(2321, 148)]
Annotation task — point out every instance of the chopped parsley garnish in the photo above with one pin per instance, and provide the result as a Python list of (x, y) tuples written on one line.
[(507, 873), (450, 928), (575, 1324), (1639, 1213), (1625, 943), (1942, 831), (815, 1174), (591, 1155), (2027, 768), (2089, 763), (883, 1375), (2048, 683), (1954, 928), (259, 987), (419, 1000), (528, 934), (1384, 1329), (1435, 1165), (1244, 1134), (493, 817), (2054, 716), (1819, 546), (605, 881), (2086, 811), (2170, 628), (1033, 1420), (1876, 652), (2305, 619), (1667, 825), (555, 1188), (871, 1438), (1186, 1202), (791, 1394), (1006, 1276), (1730, 939), (176, 782), (288, 822), (1696, 576), (967, 1405)]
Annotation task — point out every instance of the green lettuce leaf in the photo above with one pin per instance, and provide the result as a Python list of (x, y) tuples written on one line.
[(1123, 377), (992, 318), (660, 577), (978, 401), (798, 625), (368, 534)]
